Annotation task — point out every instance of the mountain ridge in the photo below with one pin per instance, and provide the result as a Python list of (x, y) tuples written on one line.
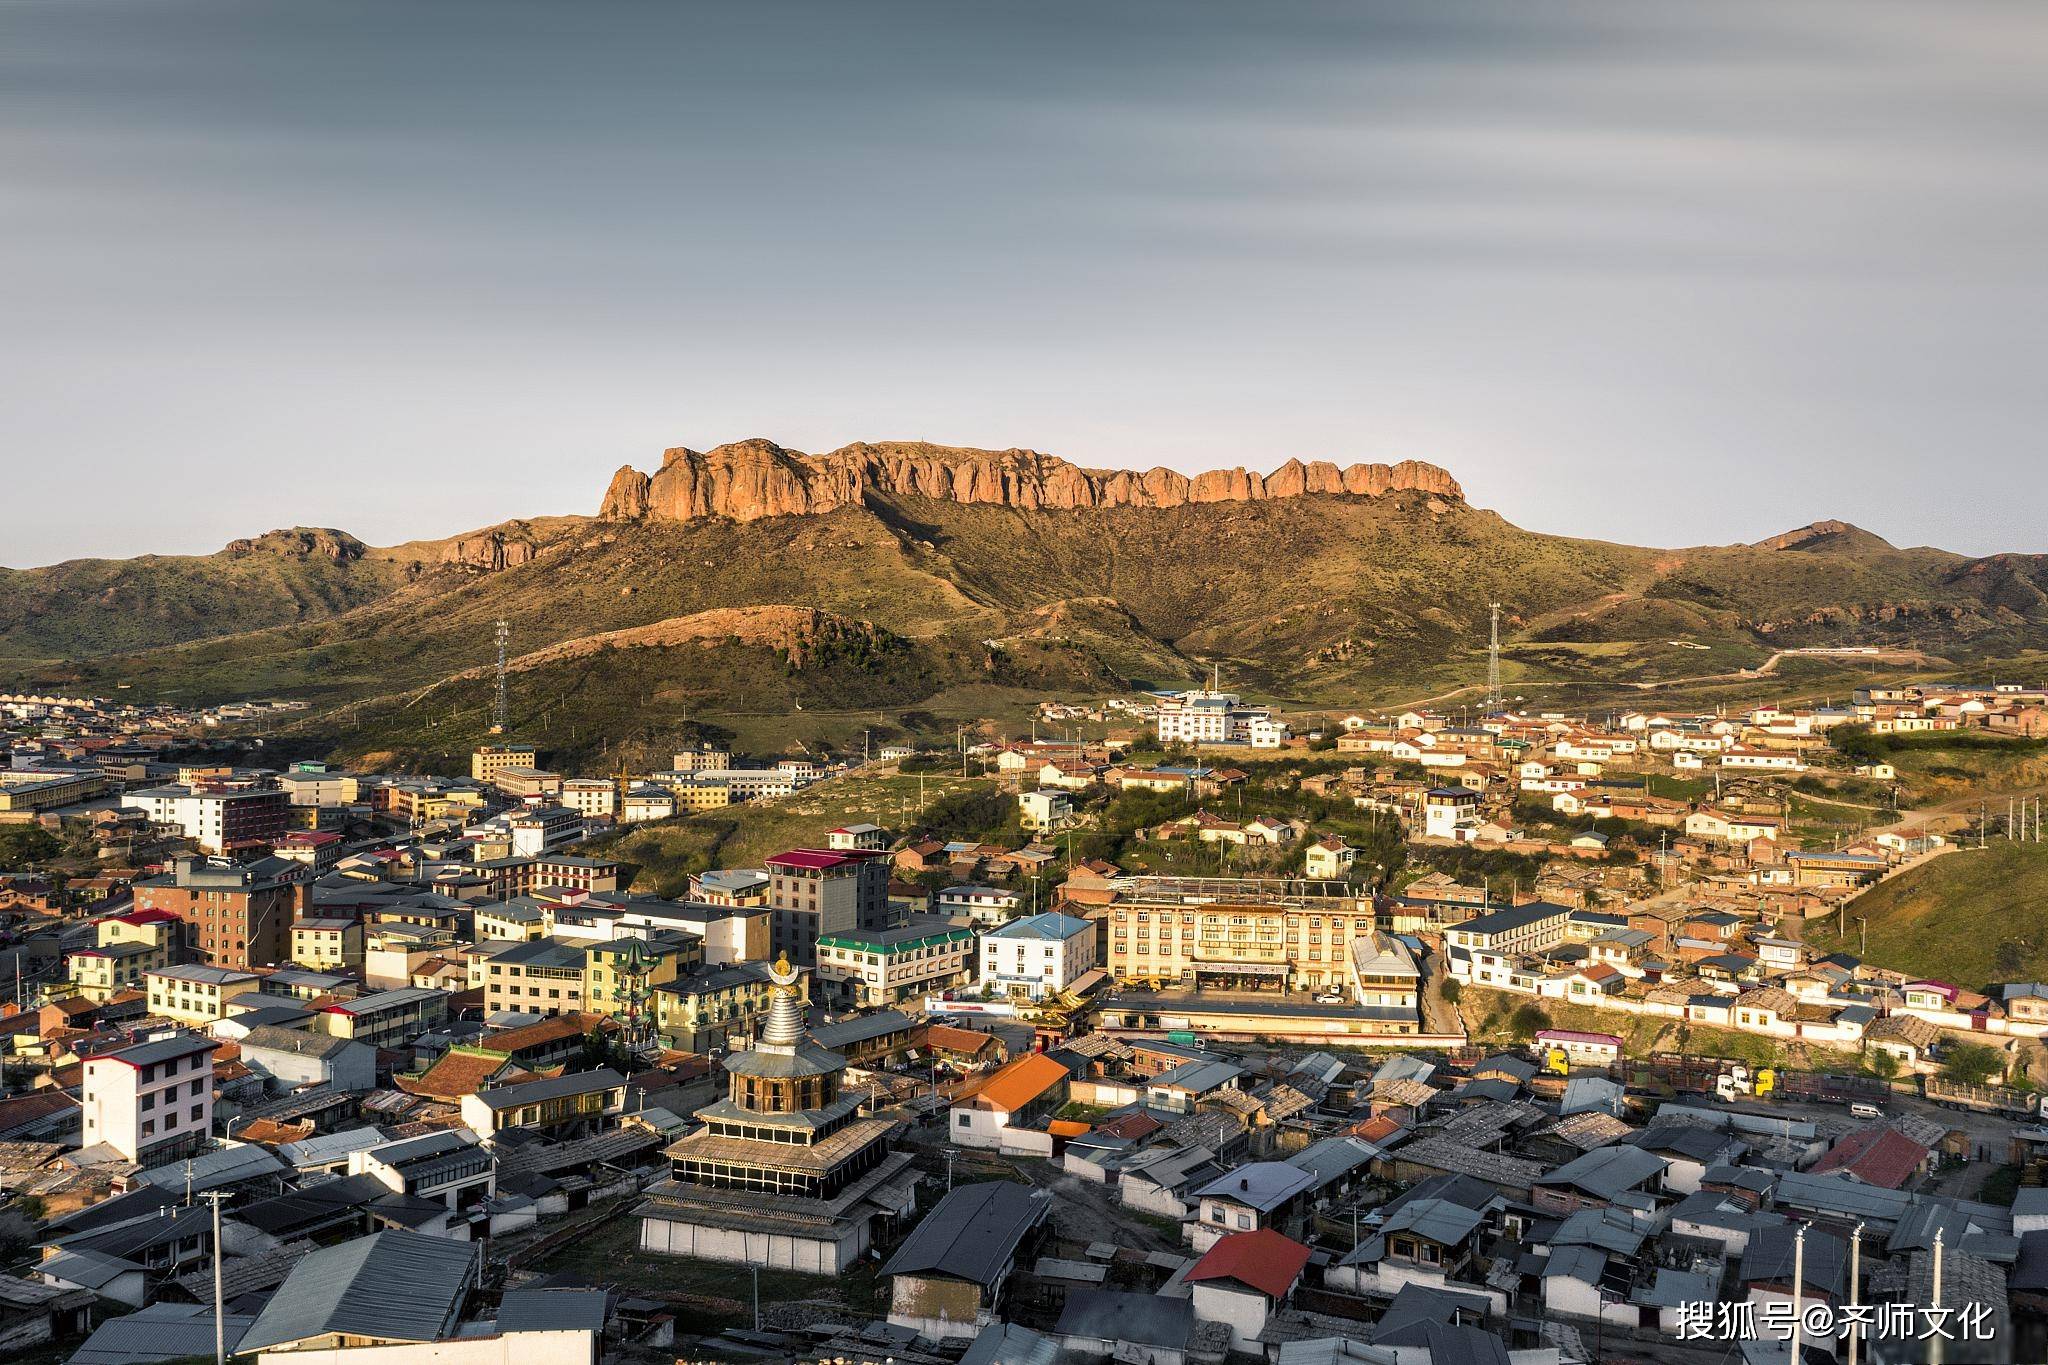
[(904, 599), (756, 478)]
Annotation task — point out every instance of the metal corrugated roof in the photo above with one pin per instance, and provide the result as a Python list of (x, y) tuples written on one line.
[(972, 1234), (391, 1286)]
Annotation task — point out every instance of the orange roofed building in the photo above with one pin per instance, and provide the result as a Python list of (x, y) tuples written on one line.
[(1015, 1098)]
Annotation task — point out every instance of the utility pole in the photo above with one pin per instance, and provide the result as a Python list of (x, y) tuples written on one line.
[(1493, 658), (1934, 1343), (1855, 1273), (220, 1329), (1798, 1290)]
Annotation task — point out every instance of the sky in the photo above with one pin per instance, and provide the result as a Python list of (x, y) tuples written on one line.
[(1665, 273)]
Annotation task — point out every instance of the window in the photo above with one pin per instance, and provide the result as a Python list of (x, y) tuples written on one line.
[(960, 1120)]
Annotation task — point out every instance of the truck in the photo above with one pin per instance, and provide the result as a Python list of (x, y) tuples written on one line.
[(1981, 1099), (1823, 1087)]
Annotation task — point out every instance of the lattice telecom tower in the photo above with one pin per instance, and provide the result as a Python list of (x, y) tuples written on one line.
[(498, 708), (1493, 660)]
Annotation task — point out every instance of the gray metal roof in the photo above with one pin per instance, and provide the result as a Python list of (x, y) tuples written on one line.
[(1333, 1158), (390, 1286), (1005, 1343), (1136, 1319), (553, 1310), (162, 1049), (550, 1088), (1438, 1220), (161, 1331), (297, 1042), (1607, 1171), (86, 1269), (1580, 1263), (1262, 1185), (972, 1234), (221, 1166)]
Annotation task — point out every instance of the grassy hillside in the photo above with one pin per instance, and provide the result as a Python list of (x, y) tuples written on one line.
[(100, 606), (1971, 917), (1320, 600), (667, 853)]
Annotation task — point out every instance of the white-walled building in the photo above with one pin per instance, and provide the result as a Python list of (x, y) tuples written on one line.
[(151, 1102), (1041, 953), (1446, 810)]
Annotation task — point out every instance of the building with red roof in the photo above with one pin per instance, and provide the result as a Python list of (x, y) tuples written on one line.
[(1881, 1156), (813, 892), (1243, 1278)]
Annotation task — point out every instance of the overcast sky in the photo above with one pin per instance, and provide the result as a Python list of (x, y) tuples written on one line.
[(1663, 273)]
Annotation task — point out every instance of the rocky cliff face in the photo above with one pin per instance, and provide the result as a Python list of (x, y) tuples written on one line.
[(301, 542), (749, 480)]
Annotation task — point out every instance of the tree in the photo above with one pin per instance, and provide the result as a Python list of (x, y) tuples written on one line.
[(1973, 1064), (1885, 1064), (22, 846), (1453, 989), (1527, 1021), (2009, 959)]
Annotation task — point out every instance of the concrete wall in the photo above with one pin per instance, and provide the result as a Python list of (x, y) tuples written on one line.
[(515, 1348), (815, 1256), (1244, 1311), (937, 1307)]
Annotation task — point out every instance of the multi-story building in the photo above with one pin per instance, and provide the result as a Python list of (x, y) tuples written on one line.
[(730, 886), (450, 1167), (386, 1018), (1483, 949), (1044, 810), (875, 968), (1233, 933), (318, 785), (646, 802), (197, 994), (729, 933), (619, 974), (1039, 955), (539, 830), (703, 758), (577, 1101), (125, 947), (328, 944), (711, 1006), (985, 905), (1207, 717), (219, 817), (864, 835), (544, 976), (491, 759), (1448, 810), (240, 913), (35, 789), (317, 849), (152, 1102), (813, 892), (519, 782), (591, 796)]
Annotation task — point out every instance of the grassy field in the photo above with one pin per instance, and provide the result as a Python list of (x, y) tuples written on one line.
[(1972, 917), (741, 836)]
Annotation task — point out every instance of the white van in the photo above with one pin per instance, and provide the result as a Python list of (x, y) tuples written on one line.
[(1863, 1109)]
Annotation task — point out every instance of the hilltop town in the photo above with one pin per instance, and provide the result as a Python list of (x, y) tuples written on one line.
[(1181, 1024)]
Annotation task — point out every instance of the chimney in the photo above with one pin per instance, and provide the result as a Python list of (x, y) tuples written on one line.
[(1244, 1184)]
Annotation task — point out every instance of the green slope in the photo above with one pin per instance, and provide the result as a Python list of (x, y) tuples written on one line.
[(1972, 917)]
